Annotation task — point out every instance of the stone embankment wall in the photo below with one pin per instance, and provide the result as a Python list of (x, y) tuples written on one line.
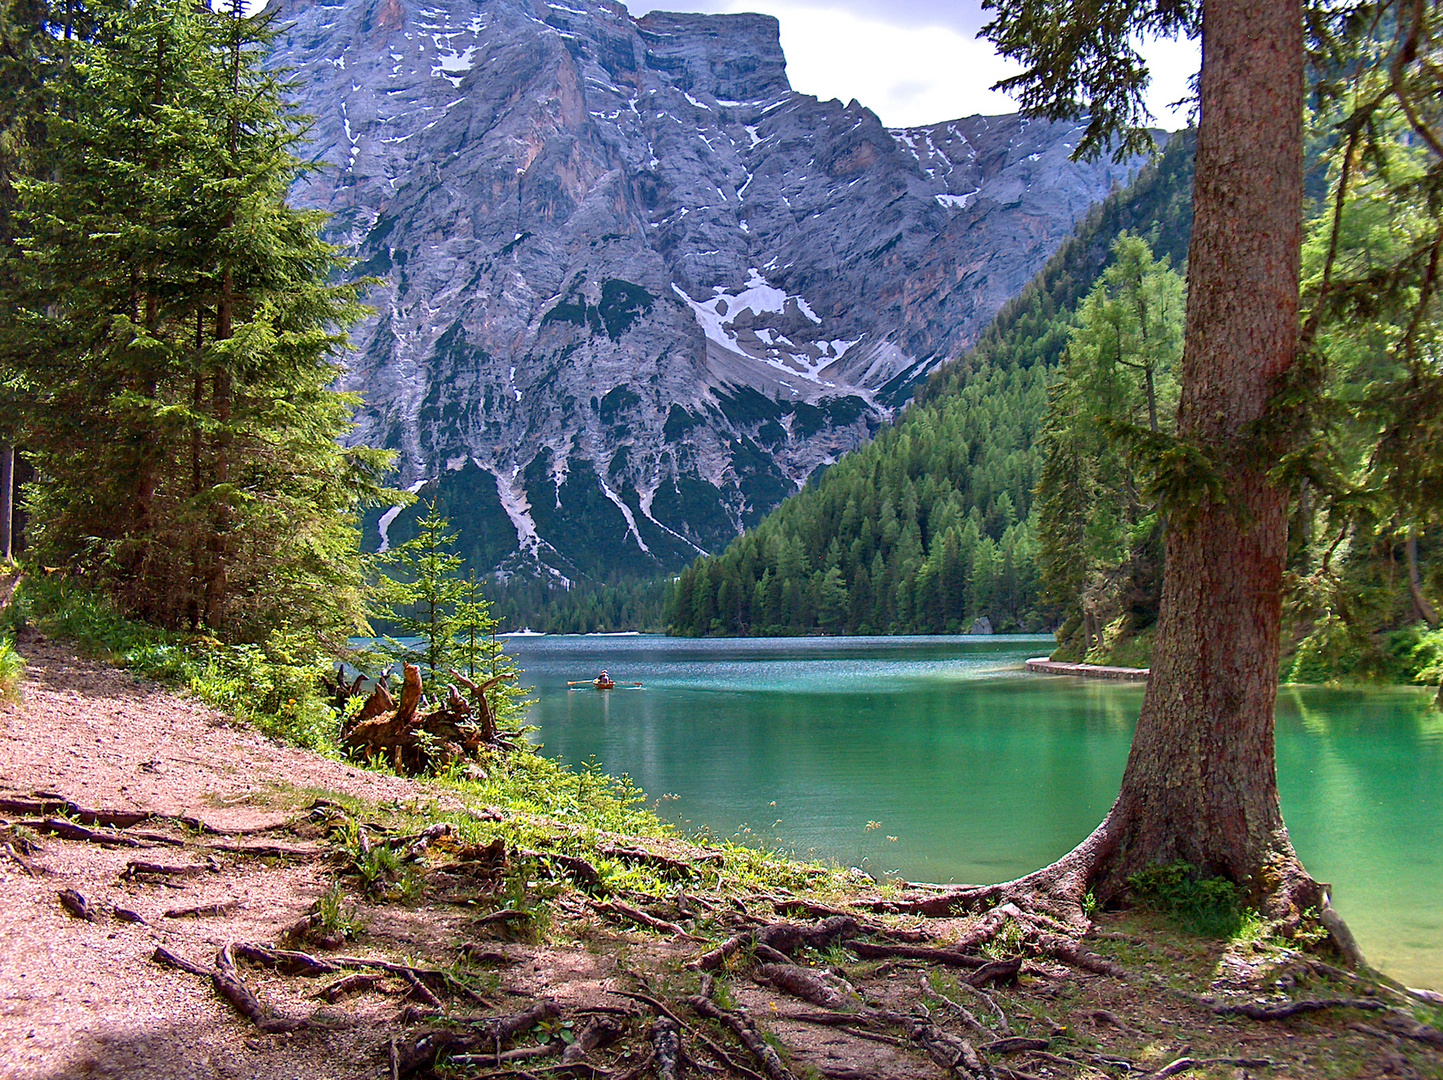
[(1044, 666)]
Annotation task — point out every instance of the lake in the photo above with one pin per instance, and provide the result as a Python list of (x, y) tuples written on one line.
[(940, 759)]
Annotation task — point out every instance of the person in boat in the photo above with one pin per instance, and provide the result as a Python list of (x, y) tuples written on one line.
[(603, 681)]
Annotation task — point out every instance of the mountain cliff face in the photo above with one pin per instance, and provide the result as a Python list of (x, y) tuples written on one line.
[(635, 288)]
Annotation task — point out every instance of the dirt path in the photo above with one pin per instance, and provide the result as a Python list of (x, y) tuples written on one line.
[(82, 999)]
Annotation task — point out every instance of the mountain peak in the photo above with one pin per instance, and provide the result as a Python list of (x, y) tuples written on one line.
[(636, 288)]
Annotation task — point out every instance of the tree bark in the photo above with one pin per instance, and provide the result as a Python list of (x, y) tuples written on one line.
[(1421, 606), (7, 500), (1200, 783)]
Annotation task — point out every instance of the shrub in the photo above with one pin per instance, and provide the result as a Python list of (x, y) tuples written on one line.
[(1207, 906)]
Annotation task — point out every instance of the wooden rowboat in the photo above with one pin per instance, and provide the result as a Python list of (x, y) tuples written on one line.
[(600, 683)]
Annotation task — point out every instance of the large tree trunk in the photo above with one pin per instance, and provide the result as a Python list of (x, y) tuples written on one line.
[(1200, 783)]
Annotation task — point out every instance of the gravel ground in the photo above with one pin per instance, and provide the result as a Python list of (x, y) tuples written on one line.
[(83, 999)]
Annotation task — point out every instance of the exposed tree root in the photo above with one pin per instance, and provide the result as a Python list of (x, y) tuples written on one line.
[(682, 868), (1047, 906), (112, 836), (579, 870), (617, 910), (422, 1052), (69, 830), (302, 963), (666, 1043), (414, 742), (229, 985), (350, 984), (743, 1027), (801, 983), (955, 1039), (203, 911), (77, 905), (48, 803), (138, 869), (662, 1009), (19, 860), (1281, 1010)]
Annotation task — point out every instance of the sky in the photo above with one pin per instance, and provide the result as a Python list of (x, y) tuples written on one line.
[(915, 62)]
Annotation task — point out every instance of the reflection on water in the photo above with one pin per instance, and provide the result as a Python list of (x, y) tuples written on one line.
[(939, 759)]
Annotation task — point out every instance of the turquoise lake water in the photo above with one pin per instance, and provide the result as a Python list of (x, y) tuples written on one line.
[(940, 759)]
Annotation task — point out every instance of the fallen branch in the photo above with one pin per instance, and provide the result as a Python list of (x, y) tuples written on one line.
[(1183, 1064)]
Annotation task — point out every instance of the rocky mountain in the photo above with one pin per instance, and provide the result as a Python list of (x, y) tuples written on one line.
[(635, 288)]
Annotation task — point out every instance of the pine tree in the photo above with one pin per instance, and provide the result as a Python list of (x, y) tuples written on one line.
[(421, 596), (176, 320), (1117, 375)]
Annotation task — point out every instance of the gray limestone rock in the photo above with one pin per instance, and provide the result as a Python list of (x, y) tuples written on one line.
[(636, 289)]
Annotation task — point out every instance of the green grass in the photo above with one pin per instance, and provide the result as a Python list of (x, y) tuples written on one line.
[(12, 670)]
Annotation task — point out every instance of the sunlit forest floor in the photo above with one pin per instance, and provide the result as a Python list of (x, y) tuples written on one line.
[(181, 897)]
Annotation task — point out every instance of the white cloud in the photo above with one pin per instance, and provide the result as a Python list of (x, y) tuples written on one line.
[(907, 75), (910, 73)]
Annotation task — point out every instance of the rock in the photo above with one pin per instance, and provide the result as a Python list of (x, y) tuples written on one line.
[(635, 288), (981, 625)]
